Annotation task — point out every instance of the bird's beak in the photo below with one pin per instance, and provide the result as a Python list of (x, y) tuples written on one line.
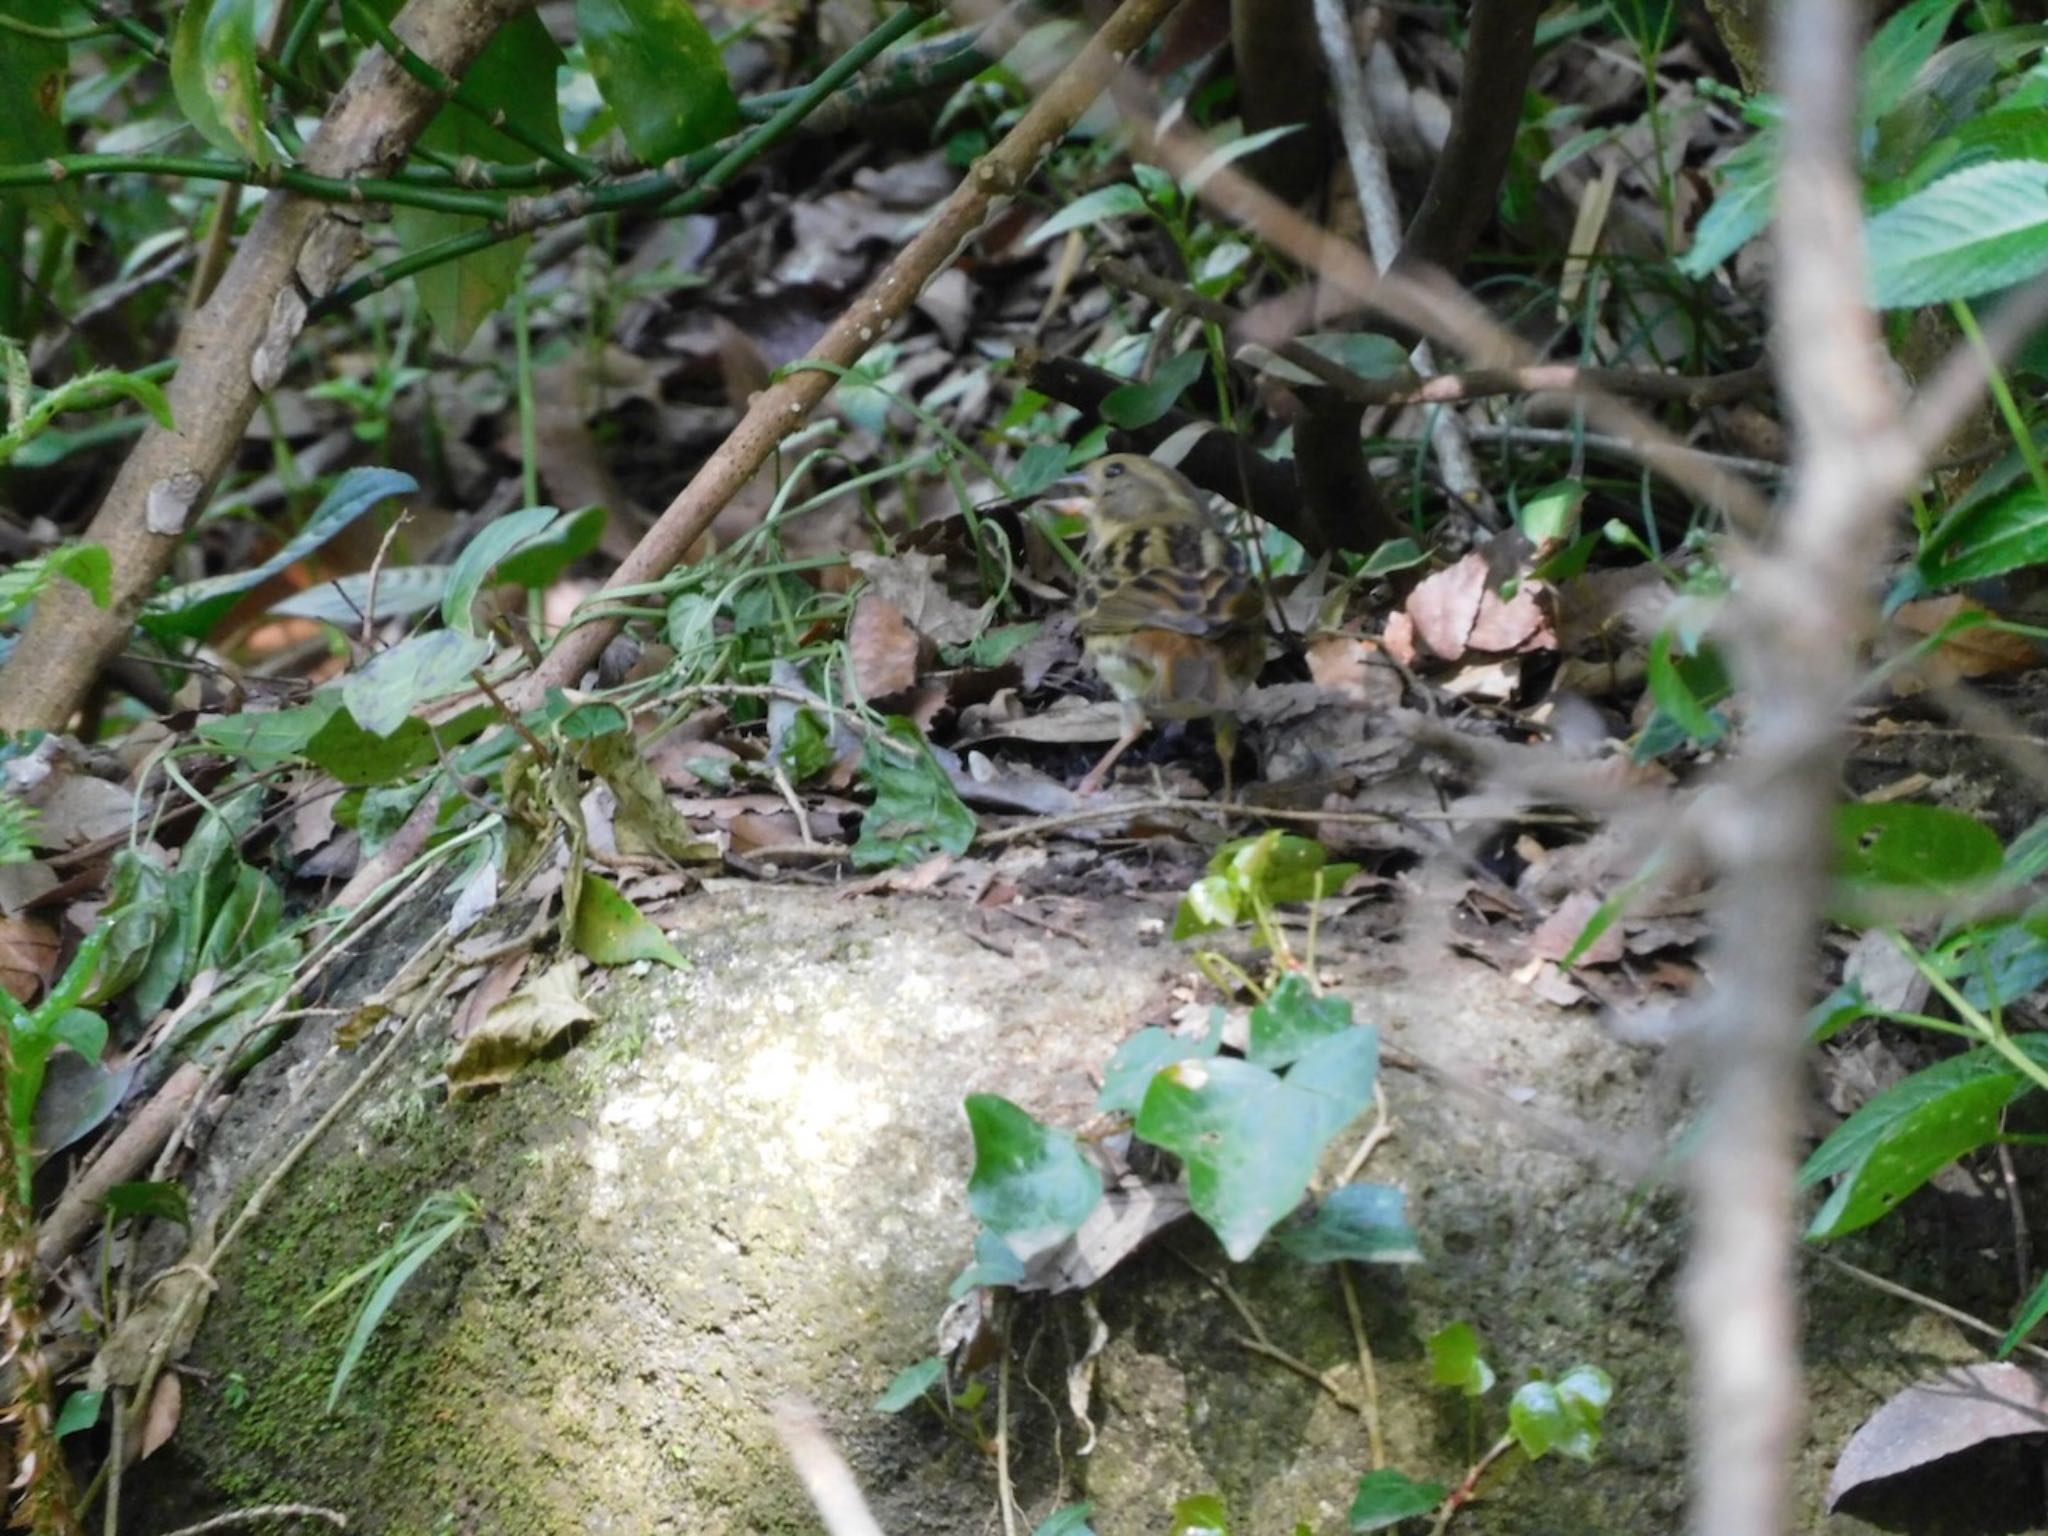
[(1067, 496)]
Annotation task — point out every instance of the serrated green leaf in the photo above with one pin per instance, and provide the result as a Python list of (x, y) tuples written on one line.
[(1976, 231), (660, 72)]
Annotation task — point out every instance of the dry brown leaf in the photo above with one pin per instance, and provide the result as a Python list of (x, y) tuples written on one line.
[(1357, 668), (1979, 652), (881, 647), (1456, 612), (28, 957), (546, 1017), (166, 1406), (1955, 1411), (1557, 933), (912, 583)]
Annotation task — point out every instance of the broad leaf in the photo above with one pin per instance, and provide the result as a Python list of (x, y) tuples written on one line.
[(1455, 1360), (1988, 538), (1363, 1223), (1031, 1186), (911, 1383), (1974, 232), (1139, 405), (1562, 1416), (1388, 1497), (1913, 847), (1144, 1056), (416, 671), (515, 75), (1292, 1019), (916, 811), (612, 931), (660, 72), (1104, 203), (496, 541), (32, 75), (1907, 1134), (215, 77), (190, 612)]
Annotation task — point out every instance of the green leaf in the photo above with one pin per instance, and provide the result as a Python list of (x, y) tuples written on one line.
[(357, 756), (33, 71), (497, 541), (1365, 353), (540, 560), (1975, 231), (165, 1199), (1685, 686), (407, 1262), (1912, 846), (1394, 555), (401, 592), (1201, 1515), (214, 74), (612, 931), (1741, 211), (190, 612), (515, 75), (2032, 1310), (1906, 1135), (1291, 1019), (1988, 538), (1364, 1223), (911, 1383), (1031, 1185), (916, 812), (1071, 1520), (994, 1265), (1231, 153), (275, 736), (1109, 202), (1561, 1416), (1249, 1139), (1144, 1056), (416, 671), (660, 72), (1455, 1360), (81, 1410), (1896, 53), (1388, 1497), (1210, 904), (1553, 512), (1139, 405)]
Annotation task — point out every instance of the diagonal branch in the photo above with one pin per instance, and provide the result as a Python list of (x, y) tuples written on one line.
[(232, 349)]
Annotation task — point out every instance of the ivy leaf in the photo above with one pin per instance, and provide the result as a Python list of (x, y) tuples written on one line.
[(660, 72), (1144, 1056), (1388, 1497), (916, 812), (1562, 1416), (1363, 1223), (911, 1383), (1455, 1360), (1291, 1019), (1031, 1186)]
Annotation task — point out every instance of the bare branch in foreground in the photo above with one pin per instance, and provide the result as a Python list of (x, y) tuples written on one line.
[(1792, 629)]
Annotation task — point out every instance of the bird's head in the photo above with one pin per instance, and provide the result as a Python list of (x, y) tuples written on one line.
[(1128, 490)]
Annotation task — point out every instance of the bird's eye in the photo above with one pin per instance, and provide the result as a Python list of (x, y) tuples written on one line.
[(1112, 471)]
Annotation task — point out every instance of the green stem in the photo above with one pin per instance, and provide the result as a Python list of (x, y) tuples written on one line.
[(53, 34), (372, 26), (701, 174), (305, 27), (329, 189)]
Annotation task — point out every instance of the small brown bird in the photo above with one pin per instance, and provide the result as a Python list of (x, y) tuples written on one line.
[(1170, 615)]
